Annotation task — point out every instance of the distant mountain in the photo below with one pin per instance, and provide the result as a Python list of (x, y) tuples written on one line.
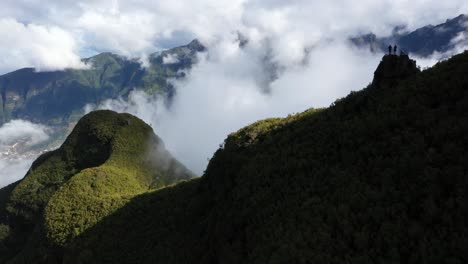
[(58, 97), (423, 41), (55, 98), (107, 159), (379, 176)]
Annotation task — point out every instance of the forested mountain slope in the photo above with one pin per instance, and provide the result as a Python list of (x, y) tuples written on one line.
[(107, 159), (378, 177)]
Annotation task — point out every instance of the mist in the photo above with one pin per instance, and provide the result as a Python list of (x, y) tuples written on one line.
[(17, 141), (226, 91)]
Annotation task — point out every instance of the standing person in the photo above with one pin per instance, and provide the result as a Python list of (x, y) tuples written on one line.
[(390, 49)]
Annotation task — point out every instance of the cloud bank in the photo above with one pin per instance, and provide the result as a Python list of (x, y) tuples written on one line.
[(17, 138), (56, 34)]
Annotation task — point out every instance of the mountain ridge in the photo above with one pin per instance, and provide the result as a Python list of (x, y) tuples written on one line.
[(380, 175), (424, 41), (58, 97)]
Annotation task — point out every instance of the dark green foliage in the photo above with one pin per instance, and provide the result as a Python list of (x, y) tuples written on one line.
[(166, 226), (378, 177)]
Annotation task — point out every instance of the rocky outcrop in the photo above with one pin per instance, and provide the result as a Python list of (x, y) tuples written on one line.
[(392, 69)]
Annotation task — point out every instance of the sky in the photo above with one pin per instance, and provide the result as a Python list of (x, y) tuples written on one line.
[(54, 34), (303, 41)]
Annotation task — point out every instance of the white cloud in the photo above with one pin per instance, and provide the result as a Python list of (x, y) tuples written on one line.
[(46, 48), (13, 170), (18, 129), (221, 94), (16, 139), (127, 34), (62, 29), (170, 59), (296, 52)]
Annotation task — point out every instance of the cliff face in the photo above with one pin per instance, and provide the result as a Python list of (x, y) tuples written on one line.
[(393, 69)]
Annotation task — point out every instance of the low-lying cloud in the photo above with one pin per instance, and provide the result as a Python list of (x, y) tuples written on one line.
[(31, 45), (13, 169), (221, 94), (21, 130), (17, 140)]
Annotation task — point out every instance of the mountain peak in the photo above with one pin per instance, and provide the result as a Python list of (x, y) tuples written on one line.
[(460, 17), (392, 69), (107, 159), (196, 45)]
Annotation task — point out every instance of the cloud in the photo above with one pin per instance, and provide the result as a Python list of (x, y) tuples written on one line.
[(122, 33), (221, 94), (170, 59), (26, 45), (53, 36), (17, 140), (18, 129), (13, 170), (296, 56), (225, 90)]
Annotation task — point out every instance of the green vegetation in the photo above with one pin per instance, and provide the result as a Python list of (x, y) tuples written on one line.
[(106, 160), (378, 177)]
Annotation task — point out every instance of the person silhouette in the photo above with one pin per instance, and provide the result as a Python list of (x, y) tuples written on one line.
[(395, 49), (390, 49)]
